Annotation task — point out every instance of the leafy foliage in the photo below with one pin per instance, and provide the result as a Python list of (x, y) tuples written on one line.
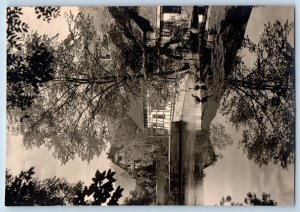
[(16, 28), (262, 98), (218, 136), (73, 92), (146, 179), (72, 104), (138, 198), (127, 38), (24, 190), (250, 200), (47, 13), (27, 68), (27, 71), (101, 190)]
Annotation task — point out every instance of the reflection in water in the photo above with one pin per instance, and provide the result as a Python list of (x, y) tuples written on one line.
[(192, 155)]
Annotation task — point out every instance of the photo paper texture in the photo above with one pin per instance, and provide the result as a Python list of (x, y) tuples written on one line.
[(150, 105)]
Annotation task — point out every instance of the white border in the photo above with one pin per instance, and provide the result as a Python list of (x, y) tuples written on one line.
[(5, 3)]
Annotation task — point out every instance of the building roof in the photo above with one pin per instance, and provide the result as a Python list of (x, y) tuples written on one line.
[(112, 151), (136, 112)]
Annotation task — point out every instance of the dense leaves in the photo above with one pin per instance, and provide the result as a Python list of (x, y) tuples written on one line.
[(262, 98), (25, 190), (73, 92), (138, 198), (72, 103), (219, 138), (27, 68), (16, 27), (250, 200), (27, 71), (101, 190), (146, 179)]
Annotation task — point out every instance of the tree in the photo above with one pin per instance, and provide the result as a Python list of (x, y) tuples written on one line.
[(142, 145), (24, 190), (86, 129), (101, 190), (262, 98), (146, 180), (70, 111), (26, 72), (130, 28), (127, 38), (138, 198), (218, 136), (15, 27), (250, 200)]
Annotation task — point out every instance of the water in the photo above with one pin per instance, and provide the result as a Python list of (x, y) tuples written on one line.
[(192, 156)]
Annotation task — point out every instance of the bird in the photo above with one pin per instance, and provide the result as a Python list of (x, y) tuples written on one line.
[(198, 100), (198, 87)]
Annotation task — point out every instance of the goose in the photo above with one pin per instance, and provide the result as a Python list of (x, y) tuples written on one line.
[(198, 87), (197, 99)]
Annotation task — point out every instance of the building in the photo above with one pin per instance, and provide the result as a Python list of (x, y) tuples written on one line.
[(158, 114), (123, 158)]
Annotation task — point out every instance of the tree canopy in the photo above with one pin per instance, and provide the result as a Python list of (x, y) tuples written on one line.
[(146, 183), (261, 99), (101, 190), (25, 190), (66, 89), (138, 198), (28, 70)]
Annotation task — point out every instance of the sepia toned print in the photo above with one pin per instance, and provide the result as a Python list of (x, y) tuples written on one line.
[(150, 105)]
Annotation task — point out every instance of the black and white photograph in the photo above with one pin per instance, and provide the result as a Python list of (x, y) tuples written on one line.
[(150, 105)]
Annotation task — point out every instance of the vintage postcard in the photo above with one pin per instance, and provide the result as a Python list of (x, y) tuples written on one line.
[(150, 105)]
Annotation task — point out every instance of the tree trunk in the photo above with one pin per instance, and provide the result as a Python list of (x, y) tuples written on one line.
[(142, 22)]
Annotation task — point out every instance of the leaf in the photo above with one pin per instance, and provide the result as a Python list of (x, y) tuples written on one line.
[(98, 175)]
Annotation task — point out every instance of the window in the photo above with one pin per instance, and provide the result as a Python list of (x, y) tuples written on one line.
[(171, 9), (157, 124), (158, 116), (201, 10), (166, 33)]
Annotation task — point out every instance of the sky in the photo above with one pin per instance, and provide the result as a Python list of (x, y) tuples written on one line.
[(234, 175)]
